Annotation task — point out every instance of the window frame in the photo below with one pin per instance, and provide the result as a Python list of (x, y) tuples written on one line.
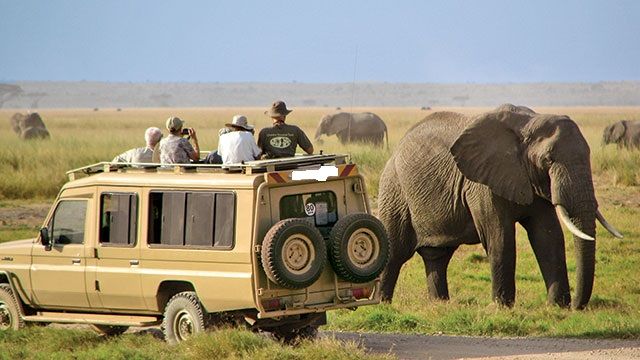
[(52, 220), (137, 217), (184, 217)]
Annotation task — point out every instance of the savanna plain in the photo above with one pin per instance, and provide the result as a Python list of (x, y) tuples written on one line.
[(31, 174)]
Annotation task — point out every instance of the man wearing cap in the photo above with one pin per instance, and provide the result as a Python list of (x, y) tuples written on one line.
[(281, 140), (142, 154), (238, 145), (174, 149)]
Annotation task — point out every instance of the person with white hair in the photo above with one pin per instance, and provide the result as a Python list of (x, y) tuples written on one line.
[(142, 154)]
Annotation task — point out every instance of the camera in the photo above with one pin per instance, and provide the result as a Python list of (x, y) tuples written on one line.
[(185, 131)]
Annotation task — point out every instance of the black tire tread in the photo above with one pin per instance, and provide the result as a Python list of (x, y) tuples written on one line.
[(269, 254), (339, 260), (182, 299), (10, 299)]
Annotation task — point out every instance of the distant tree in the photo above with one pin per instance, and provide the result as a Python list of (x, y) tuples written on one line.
[(8, 92)]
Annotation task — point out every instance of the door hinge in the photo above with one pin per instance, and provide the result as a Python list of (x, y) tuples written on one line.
[(97, 285)]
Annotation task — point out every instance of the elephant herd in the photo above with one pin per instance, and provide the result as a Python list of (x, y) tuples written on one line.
[(29, 126), (455, 179)]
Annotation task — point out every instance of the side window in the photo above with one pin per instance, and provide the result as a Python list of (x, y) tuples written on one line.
[(118, 219), (191, 219), (67, 225)]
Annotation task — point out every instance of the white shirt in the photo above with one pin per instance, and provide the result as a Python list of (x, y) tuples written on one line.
[(237, 146)]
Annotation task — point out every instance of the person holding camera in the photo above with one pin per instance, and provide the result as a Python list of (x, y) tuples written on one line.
[(174, 149)]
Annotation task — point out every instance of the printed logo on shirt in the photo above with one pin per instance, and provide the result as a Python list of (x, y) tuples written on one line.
[(280, 142)]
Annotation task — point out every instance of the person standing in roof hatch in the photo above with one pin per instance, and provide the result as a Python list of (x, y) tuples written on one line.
[(281, 140)]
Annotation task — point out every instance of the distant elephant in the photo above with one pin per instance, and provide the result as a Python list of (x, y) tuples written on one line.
[(353, 127), (625, 133), (33, 132), (16, 119), (457, 180), (32, 120)]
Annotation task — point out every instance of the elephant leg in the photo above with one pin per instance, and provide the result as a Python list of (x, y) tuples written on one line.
[(497, 233), (547, 241), (436, 260)]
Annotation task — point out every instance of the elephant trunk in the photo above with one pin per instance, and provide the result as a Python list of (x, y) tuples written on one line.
[(576, 206)]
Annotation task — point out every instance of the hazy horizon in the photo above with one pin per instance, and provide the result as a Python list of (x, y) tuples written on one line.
[(197, 41)]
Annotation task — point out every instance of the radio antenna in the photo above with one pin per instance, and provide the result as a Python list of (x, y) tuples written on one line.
[(353, 94)]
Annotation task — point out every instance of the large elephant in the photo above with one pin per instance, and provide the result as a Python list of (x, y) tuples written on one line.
[(457, 180), (34, 132), (625, 133), (353, 127)]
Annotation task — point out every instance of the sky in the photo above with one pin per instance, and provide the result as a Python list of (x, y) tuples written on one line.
[(327, 41)]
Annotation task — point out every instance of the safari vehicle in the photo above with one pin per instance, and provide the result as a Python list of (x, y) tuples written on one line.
[(271, 244)]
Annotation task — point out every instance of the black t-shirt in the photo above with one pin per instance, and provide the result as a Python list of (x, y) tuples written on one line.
[(281, 140)]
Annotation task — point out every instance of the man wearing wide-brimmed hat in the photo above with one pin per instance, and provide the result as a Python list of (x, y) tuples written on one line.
[(238, 145), (281, 140)]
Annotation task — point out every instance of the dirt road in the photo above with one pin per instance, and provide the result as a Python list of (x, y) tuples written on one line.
[(462, 347)]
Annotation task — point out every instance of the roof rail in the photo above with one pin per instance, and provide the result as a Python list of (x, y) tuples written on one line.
[(248, 167)]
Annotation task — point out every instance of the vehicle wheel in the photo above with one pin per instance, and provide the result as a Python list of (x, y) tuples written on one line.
[(294, 336), (183, 317), (358, 248), (293, 253), (10, 318), (109, 330)]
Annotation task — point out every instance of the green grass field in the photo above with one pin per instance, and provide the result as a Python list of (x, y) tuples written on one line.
[(34, 171)]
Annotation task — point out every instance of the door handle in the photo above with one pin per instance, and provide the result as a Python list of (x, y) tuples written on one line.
[(134, 262), (75, 261)]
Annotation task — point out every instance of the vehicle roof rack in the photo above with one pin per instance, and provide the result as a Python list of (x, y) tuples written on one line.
[(248, 167)]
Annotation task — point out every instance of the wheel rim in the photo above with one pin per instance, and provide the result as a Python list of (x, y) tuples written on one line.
[(183, 326), (363, 248), (298, 253), (5, 317)]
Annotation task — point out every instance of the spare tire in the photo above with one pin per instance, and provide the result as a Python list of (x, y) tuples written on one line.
[(293, 253), (358, 248)]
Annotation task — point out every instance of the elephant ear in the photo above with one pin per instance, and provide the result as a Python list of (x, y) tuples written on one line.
[(618, 131), (489, 151)]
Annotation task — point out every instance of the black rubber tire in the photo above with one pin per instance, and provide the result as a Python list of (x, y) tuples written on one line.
[(307, 253), (183, 317), (10, 318), (109, 330), (358, 248)]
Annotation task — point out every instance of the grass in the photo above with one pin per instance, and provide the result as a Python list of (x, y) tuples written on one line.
[(49, 343), (34, 171)]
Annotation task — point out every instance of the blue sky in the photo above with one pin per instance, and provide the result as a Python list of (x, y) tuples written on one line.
[(491, 41)]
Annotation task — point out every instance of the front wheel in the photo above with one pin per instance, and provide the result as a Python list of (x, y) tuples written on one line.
[(10, 318), (183, 317)]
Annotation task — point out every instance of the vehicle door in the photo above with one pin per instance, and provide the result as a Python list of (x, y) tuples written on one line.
[(115, 278), (58, 269)]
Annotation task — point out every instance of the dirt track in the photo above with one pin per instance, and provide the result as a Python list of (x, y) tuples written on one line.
[(462, 347)]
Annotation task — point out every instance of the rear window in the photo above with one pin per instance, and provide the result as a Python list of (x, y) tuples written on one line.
[(320, 208)]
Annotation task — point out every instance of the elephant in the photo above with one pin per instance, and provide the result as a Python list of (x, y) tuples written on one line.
[(32, 120), (456, 179), (625, 133), (353, 127), (34, 132)]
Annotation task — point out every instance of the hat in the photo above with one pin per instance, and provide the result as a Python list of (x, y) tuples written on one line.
[(278, 108), (174, 123), (241, 122)]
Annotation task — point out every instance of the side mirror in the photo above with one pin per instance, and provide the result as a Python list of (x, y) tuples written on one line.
[(44, 238)]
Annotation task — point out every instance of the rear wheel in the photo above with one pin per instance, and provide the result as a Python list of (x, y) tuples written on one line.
[(10, 318), (358, 248), (183, 317), (293, 253), (109, 330)]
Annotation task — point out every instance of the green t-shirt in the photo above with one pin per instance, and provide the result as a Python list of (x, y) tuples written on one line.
[(281, 140)]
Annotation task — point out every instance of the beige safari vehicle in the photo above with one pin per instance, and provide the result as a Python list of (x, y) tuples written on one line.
[(269, 244)]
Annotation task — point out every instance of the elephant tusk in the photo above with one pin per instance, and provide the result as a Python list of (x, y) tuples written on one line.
[(608, 226), (564, 216)]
